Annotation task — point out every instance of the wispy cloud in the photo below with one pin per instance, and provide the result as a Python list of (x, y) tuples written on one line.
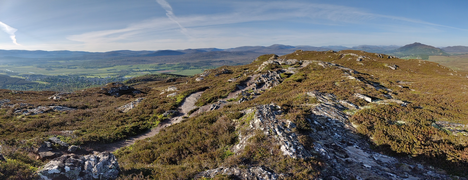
[(170, 14), (10, 31), (315, 15)]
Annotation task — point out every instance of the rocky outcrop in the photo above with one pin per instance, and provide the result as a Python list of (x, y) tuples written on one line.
[(347, 155), (455, 128), (97, 166), (118, 89), (48, 151), (265, 119), (43, 109), (169, 89), (254, 173), (328, 65), (266, 63), (269, 79), (3, 102), (127, 107), (223, 71)]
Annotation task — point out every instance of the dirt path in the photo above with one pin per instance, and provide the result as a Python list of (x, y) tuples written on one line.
[(187, 105)]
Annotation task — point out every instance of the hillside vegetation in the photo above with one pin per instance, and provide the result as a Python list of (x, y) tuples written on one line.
[(339, 111)]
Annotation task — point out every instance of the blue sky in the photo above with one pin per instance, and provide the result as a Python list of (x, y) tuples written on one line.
[(105, 25)]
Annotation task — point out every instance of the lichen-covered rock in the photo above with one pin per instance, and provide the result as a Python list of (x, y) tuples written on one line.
[(455, 128), (48, 151), (64, 167), (265, 119), (97, 166), (362, 96), (223, 71), (130, 106), (266, 63), (73, 148), (268, 80), (328, 65), (172, 94), (56, 140), (43, 109), (199, 79), (4, 101), (101, 166), (253, 173), (347, 155)]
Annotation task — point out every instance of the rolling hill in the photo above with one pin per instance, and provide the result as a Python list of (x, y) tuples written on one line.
[(418, 51), (456, 49)]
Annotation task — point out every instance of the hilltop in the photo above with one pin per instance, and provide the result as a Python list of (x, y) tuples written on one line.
[(305, 115), (418, 51)]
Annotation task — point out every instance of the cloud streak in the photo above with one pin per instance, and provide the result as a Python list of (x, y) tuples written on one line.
[(170, 14), (230, 29), (10, 31)]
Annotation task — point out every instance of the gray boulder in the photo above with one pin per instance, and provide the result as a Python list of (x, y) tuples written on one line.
[(46, 151), (56, 140), (97, 166), (127, 107)]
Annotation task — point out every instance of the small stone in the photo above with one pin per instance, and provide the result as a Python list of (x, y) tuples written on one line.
[(405, 168), (199, 79), (171, 88), (48, 144), (171, 95), (393, 67), (130, 106), (73, 148), (359, 59), (49, 154), (361, 96)]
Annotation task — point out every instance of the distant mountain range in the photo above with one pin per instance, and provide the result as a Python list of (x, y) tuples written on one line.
[(237, 55), (456, 49)]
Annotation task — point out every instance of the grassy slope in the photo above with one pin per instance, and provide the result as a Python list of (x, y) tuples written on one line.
[(455, 62), (440, 95), (202, 142)]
